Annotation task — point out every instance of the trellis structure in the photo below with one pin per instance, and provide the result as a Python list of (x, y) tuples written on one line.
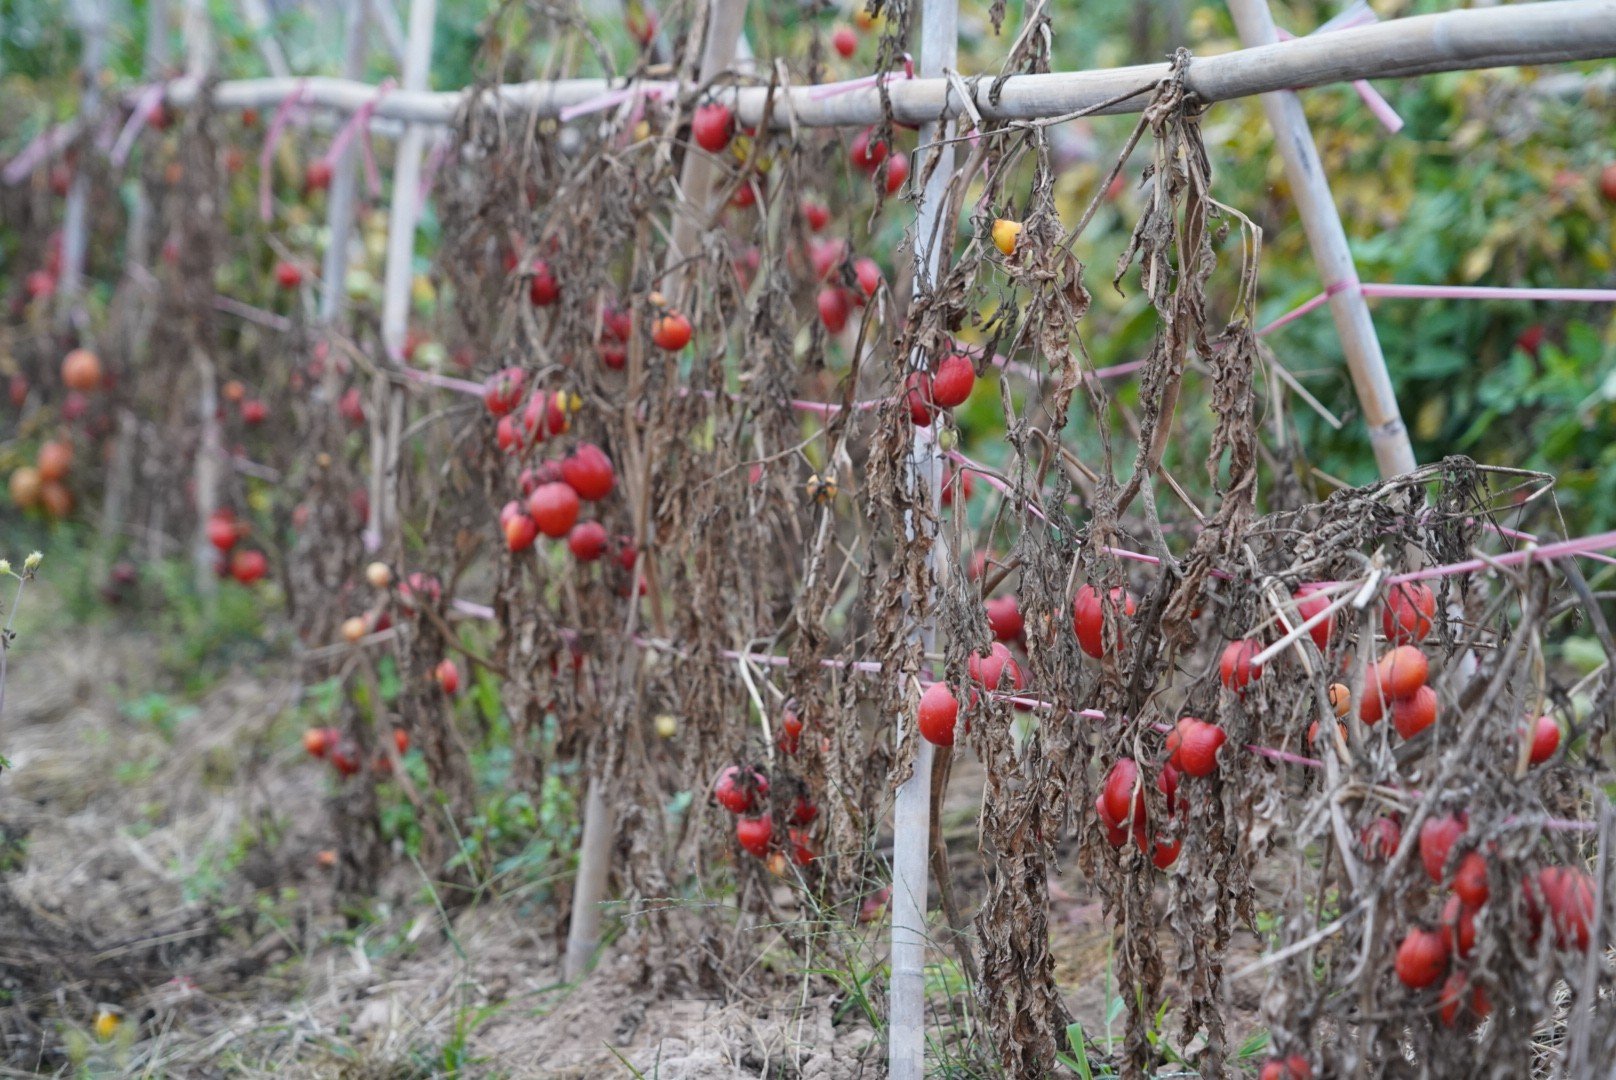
[(1539, 33)]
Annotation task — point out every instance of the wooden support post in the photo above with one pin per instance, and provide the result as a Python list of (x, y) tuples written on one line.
[(724, 21), (1394, 454), (906, 994), (398, 282)]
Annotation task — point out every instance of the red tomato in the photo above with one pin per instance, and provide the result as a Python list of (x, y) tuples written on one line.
[(937, 715), (1412, 715), (1004, 618), (953, 380), (738, 791), (1402, 671), (447, 675), (588, 471), (754, 834), (1545, 739), (712, 127), (1235, 666), (1406, 618), (1437, 837), (1422, 958), (553, 508), (1088, 617), (587, 541), (1193, 746), (502, 393)]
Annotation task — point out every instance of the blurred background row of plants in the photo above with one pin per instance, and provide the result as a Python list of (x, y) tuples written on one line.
[(1504, 177)]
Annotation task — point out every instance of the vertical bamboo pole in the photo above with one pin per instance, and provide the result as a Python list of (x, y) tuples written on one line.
[(91, 16), (210, 449), (339, 207), (1394, 454), (257, 17), (724, 21), (137, 241), (398, 279), (906, 996)]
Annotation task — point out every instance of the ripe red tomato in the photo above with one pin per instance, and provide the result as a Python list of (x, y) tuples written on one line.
[(991, 670), (1164, 853), (1607, 182), (254, 412), (1380, 839), (802, 850), (803, 811), (1412, 715), (1470, 880), (502, 393), (790, 738), (754, 834), (589, 472), (1437, 837), (318, 740), (1566, 895), (587, 541), (1193, 746), (1460, 922), (952, 382), (1116, 835), (1124, 797), (1401, 672), (1406, 618), (1004, 618), (918, 387), (248, 567), (739, 791), (447, 674), (520, 529), (317, 177), (815, 214), (401, 740), (1088, 617), (966, 485), (712, 127), (352, 406), (1451, 999), (670, 331), (344, 757), (937, 715), (1545, 739), (553, 508), (868, 272), (222, 529), (1235, 666), (288, 275), (1422, 958), (833, 308), (542, 288), (844, 41), (1294, 1067), (897, 172), (81, 370), (868, 150)]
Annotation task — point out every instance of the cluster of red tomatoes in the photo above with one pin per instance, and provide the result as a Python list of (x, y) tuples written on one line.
[(225, 532), (329, 744), (744, 792)]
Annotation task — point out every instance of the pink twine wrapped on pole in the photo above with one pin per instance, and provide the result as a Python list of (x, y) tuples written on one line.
[(612, 98), (1360, 14), (1445, 292), (272, 139), (847, 86), (46, 145), (357, 124)]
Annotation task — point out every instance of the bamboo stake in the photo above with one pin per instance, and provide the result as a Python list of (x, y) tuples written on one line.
[(91, 17), (257, 17), (210, 449), (398, 279), (339, 209), (137, 241), (906, 996), (1554, 31), (1394, 454), (724, 21)]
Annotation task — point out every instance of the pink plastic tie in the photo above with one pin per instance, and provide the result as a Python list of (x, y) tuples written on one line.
[(272, 139), (146, 106)]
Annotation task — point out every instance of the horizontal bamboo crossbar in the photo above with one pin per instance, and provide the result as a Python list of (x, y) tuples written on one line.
[(1521, 34)]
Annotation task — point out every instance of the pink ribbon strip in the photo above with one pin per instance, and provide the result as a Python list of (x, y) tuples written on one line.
[(847, 86), (1445, 292), (146, 106), (46, 145), (446, 382), (429, 173), (1580, 546), (1377, 105), (601, 102), (359, 123), (272, 138)]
